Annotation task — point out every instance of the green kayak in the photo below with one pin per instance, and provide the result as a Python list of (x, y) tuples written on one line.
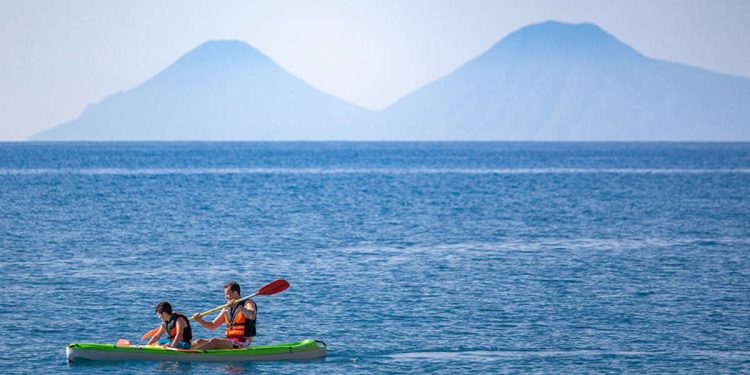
[(305, 349)]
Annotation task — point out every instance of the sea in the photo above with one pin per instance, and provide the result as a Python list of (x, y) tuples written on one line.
[(445, 257)]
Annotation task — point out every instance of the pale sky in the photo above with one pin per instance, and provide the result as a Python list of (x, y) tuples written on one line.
[(59, 56)]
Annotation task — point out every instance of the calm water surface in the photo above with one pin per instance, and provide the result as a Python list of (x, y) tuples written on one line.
[(403, 257)]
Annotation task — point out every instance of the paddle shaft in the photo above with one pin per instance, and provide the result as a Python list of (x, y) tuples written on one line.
[(243, 299), (276, 286)]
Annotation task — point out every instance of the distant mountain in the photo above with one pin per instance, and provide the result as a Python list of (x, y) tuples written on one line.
[(549, 81), (556, 81), (222, 90)]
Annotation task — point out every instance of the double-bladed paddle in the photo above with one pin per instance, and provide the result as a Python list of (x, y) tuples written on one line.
[(276, 286)]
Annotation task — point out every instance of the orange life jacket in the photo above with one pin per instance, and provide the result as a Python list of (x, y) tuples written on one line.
[(239, 326)]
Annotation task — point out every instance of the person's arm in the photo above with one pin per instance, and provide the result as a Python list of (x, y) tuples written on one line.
[(226, 312), (219, 320), (180, 327), (248, 310), (156, 336)]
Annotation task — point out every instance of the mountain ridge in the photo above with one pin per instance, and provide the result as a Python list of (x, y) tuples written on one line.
[(219, 90), (513, 91), (547, 81)]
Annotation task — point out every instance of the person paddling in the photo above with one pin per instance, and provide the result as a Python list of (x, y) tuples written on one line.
[(175, 325), (238, 317)]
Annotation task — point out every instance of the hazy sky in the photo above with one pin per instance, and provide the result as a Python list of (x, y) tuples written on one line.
[(58, 56)]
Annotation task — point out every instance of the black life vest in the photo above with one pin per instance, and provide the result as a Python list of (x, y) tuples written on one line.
[(239, 326), (170, 327)]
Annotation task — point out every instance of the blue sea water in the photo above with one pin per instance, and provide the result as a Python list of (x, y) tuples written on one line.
[(403, 257)]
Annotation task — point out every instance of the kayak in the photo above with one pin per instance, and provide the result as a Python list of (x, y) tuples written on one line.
[(301, 350)]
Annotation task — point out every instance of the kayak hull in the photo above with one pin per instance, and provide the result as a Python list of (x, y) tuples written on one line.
[(302, 350)]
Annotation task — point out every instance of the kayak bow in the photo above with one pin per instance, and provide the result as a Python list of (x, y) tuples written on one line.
[(305, 349)]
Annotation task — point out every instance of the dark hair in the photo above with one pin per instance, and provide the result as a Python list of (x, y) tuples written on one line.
[(164, 307), (233, 287)]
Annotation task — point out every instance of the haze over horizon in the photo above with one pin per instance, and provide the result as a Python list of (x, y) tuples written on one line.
[(75, 54)]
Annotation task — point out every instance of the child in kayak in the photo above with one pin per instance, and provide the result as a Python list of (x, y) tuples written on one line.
[(239, 318), (175, 325)]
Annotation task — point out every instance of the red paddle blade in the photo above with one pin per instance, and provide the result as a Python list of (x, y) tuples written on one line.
[(273, 287), (150, 333)]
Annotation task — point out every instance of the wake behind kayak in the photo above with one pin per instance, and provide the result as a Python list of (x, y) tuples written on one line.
[(301, 350)]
